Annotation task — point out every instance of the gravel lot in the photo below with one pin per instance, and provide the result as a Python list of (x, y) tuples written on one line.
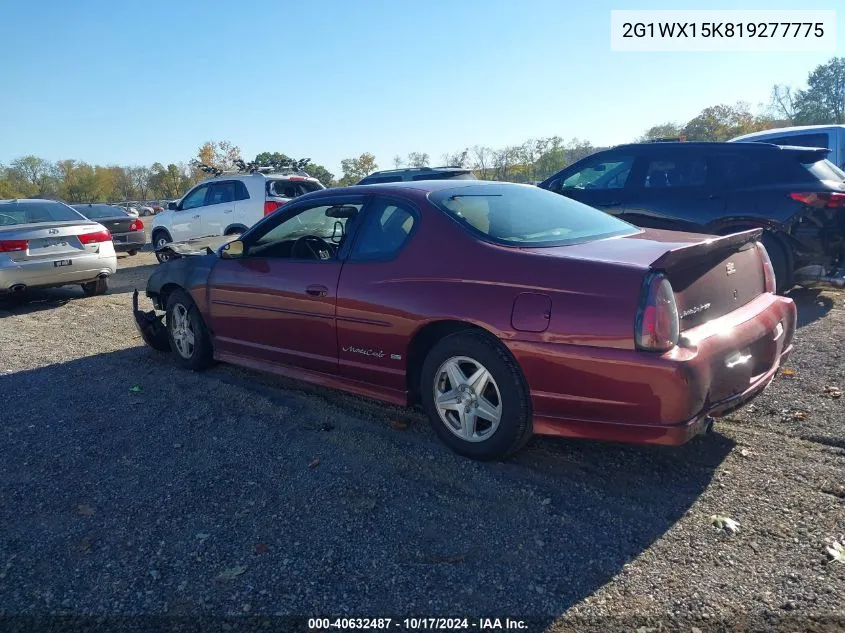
[(230, 492)]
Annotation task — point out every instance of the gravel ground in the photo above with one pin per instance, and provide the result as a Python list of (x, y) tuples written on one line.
[(231, 493)]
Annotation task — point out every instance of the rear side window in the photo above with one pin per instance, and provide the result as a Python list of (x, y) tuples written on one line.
[(291, 188), (825, 170), (800, 140), (35, 212), (386, 230)]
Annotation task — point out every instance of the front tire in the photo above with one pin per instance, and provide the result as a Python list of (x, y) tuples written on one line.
[(160, 238), (476, 397), (96, 288), (188, 336), (131, 253)]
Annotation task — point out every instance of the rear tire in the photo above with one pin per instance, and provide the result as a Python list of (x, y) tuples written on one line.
[(95, 288), (131, 253), (188, 336), (780, 263), (462, 402)]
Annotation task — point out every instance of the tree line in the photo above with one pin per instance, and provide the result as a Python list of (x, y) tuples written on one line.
[(821, 102)]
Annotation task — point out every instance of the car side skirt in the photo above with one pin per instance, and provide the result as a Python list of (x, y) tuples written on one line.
[(392, 396)]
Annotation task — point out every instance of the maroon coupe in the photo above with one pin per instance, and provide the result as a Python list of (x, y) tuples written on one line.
[(503, 309)]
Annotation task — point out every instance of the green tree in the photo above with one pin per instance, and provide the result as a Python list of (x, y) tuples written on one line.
[(354, 169), (823, 102), (218, 154), (664, 130), (724, 122), (418, 159)]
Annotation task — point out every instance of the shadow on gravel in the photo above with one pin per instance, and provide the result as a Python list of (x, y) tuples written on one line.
[(123, 281), (811, 304), (213, 493)]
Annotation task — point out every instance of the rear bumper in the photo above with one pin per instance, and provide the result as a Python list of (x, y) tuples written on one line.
[(134, 241), (43, 274), (630, 396)]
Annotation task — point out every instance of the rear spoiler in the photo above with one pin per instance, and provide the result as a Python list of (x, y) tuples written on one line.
[(731, 242)]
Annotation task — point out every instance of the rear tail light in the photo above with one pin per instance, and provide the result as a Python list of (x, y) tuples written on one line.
[(821, 199), (136, 225), (95, 237), (271, 205), (13, 246), (657, 326), (770, 282)]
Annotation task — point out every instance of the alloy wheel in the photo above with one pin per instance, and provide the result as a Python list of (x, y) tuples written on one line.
[(467, 398), (182, 331)]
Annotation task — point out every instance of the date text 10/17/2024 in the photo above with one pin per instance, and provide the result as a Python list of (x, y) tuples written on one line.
[(416, 624)]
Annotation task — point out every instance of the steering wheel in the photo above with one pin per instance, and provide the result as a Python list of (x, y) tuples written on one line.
[(313, 244), (3, 215)]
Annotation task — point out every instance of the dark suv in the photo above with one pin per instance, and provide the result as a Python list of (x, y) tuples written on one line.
[(418, 173), (718, 188)]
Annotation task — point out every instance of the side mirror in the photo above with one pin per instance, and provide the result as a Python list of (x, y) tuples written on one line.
[(172, 206), (231, 250)]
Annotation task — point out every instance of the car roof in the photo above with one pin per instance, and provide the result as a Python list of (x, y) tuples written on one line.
[(30, 201), (787, 131), (690, 146), (410, 186)]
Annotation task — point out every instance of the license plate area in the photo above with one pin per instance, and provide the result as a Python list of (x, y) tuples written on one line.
[(62, 262)]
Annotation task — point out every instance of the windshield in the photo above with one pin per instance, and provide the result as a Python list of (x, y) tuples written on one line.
[(100, 211), (21, 212), (825, 170), (523, 215)]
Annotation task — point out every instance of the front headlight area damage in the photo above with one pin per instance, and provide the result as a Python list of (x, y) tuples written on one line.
[(151, 326)]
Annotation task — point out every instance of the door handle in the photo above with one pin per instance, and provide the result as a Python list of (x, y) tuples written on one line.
[(227, 211), (316, 290), (196, 217)]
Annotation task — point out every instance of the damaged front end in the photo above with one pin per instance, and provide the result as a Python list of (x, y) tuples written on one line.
[(151, 326), (818, 235)]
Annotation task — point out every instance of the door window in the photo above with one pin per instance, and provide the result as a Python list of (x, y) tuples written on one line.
[(314, 233), (604, 173), (196, 198), (387, 229), (676, 172)]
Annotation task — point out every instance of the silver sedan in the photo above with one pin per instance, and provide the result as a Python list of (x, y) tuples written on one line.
[(44, 243)]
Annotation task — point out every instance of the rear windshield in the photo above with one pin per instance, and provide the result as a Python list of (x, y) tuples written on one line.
[(445, 175), (291, 188), (825, 170), (100, 211), (33, 212), (523, 215)]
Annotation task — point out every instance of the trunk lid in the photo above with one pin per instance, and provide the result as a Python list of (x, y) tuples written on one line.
[(49, 240), (713, 277), (117, 224)]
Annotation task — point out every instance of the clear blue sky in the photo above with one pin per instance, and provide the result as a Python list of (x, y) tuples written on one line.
[(131, 83)]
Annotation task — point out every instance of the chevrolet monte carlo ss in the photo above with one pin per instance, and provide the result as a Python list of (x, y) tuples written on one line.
[(502, 309)]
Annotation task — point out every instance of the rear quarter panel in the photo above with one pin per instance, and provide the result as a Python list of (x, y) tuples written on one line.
[(445, 274)]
